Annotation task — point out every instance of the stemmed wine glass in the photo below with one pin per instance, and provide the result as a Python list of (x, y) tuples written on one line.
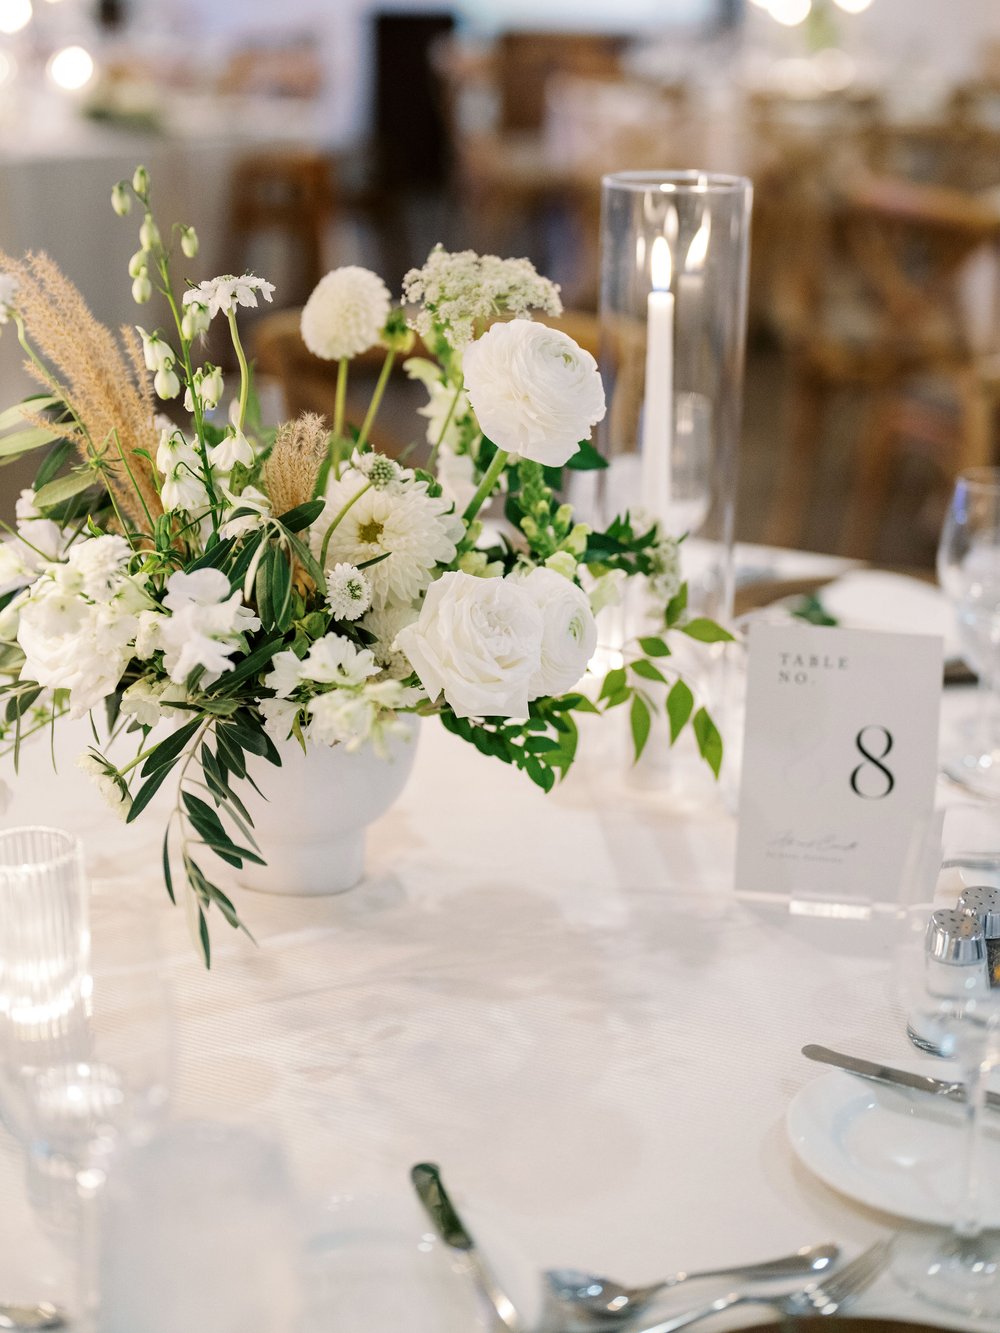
[(968, 566)]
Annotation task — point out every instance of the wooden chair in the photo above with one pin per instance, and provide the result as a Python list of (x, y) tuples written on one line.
[(955, 152), (873, 302), (289, 193)]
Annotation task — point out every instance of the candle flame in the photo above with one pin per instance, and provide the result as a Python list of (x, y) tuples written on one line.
[(661, 265), (698, 249)]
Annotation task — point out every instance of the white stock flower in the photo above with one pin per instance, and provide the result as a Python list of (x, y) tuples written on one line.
[(457, 476), (43, 540), (278, 715), (233, 448), (249, 498), (569, 631), (144, 701), (334, 660), (205, 627), (8, 290), (534, 391), (346, 313), (446, 407), (415, 531), (227, 292), (348, 592), (115, 798), (285, 675), (479, 643)]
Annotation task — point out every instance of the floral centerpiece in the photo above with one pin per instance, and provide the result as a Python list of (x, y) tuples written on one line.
[(252, 586)]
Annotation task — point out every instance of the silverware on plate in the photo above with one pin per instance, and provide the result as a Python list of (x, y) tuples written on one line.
[(431, 1192), (590, 1302), (822, 1297), (951, 1090)]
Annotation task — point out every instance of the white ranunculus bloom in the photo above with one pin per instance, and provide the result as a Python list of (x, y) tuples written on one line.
[(346, 313), (569, 633), (535, 392), (479, 643)]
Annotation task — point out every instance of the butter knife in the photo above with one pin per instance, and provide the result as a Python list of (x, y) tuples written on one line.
[(897, 1078), (431, 1192)]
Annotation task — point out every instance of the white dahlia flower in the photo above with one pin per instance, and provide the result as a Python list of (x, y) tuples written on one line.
[(346, 313)]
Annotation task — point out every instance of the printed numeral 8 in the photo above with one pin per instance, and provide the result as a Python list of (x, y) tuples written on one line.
[(873, 761)]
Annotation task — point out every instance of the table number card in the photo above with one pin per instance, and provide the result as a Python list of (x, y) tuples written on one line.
[(839, 761)]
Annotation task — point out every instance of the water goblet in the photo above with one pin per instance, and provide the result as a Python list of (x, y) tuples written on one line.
[(968, 566)]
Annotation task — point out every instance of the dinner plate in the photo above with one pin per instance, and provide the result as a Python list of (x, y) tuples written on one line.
[(891, 1149)]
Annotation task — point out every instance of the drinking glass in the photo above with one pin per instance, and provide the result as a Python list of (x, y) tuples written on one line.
[(969, 572), (956, 1269)]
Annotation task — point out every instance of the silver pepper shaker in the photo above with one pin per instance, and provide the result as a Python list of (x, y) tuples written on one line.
[(955, 969), (983, 901)]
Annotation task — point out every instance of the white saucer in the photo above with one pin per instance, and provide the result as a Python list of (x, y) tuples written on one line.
[(894, 1150)]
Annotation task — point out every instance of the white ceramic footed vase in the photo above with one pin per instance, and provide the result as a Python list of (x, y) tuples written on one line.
[(311, 828)]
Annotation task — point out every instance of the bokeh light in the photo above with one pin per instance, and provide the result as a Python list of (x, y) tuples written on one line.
[(71, 68), (14, 15)]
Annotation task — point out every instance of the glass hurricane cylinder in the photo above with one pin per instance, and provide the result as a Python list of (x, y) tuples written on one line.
[(674, 250)]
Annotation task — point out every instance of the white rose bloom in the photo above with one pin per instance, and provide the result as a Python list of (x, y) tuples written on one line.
[(346, 313), (478, 642), (569, 633), (534, 391), (334, 660), (418, 531)]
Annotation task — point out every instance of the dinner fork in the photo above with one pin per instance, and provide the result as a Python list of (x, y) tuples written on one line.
[(821, 1297)]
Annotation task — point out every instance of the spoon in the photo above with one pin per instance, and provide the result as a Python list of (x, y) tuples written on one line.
[(42, 1315), (597, 1302)]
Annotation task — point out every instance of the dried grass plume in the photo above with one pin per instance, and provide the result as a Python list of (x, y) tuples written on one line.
[(293, 465), (104, 382)]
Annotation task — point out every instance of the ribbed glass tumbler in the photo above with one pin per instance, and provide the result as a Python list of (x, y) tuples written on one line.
[(44, 946)]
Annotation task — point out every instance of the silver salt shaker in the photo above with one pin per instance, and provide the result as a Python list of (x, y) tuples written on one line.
[(983, 901), (955, 969)]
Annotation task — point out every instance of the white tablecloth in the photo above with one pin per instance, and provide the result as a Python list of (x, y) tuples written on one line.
[(558, 998)]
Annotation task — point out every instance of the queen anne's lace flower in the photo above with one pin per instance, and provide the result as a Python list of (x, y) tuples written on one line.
[(458, 288), (226, 293), (415, 531), (348, 592), (346, 313)]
